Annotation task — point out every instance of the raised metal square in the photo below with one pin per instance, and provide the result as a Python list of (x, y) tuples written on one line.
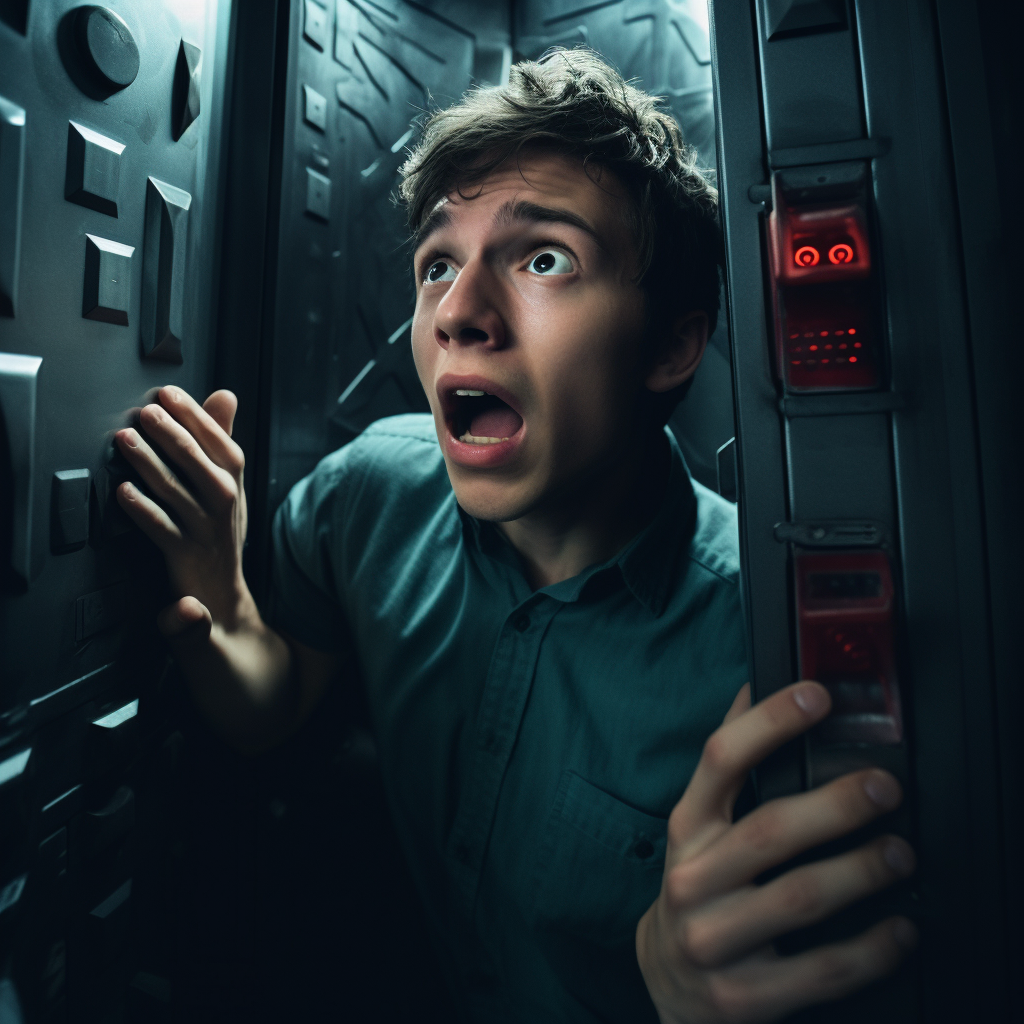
[(163, 270), (314, 108), (93, 169), (108, 280), (318, 194), (12, 173)]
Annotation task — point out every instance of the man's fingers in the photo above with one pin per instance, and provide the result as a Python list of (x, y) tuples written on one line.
[(222, 406), (739, 705), (747, 919), (782, 828), (765, 990), (149, 517), (209, 430), (159, 479), (215, 486), (737, 746)]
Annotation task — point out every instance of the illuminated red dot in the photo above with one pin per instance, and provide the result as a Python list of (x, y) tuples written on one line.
[(824, 360), (857, 344), (852, 330), (823, 334), (795, 362), (841, 253), (813, 348), (842, 345), (853, 359), (792, 336), (828, 348), (840, 332), (806, 256)]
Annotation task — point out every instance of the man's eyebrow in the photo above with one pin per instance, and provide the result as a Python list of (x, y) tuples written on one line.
[(512, 212), (440, 217), (522, 210)]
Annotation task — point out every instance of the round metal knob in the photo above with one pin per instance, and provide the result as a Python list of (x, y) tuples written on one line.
[(107, 47)]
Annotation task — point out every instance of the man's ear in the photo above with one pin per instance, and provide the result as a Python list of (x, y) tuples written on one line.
[(680, 352)]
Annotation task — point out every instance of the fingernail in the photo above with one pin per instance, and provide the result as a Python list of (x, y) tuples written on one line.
[(883, 790), (811, 698), (127, 436), (129, 492), (904, 932), (899, 856)]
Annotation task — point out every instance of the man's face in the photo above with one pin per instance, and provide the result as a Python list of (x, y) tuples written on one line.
[(525, 292)]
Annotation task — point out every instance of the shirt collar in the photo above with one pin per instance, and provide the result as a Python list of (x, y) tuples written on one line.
[(648, 564)]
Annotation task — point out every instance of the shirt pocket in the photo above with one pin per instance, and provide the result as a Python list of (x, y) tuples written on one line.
[(599, 865)]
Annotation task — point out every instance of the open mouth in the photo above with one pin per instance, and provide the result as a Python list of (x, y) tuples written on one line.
[(479, 417)]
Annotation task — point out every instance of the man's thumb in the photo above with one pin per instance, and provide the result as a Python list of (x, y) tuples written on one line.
[(186, 624)]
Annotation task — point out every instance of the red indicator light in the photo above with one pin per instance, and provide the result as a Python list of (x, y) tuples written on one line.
[(856, 344), (813, 348), (853, 359), (852, 330), (839, 254), (807, 256)]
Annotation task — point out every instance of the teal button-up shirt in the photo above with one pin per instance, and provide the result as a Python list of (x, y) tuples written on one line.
[(532, 742)]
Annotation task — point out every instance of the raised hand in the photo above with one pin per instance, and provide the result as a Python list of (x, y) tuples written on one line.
[(704, 946)]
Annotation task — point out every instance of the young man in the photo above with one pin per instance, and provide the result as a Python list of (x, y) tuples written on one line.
[(540, 603)]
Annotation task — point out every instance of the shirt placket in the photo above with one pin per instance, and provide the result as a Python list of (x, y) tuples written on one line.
[(502, 704)]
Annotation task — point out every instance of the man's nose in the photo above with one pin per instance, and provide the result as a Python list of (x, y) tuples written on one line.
[(470, 314)]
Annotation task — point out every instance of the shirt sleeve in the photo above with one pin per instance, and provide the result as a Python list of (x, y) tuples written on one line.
[(305, 601)]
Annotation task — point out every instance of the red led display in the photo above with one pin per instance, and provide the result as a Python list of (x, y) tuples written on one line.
[(845, 628), (823, 296)]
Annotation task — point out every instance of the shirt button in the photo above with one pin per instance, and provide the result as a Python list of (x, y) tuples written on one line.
[(644, 848), (521, 622)]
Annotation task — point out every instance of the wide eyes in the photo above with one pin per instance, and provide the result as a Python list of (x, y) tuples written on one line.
[(551, 262), (440, 270), (548, 263)]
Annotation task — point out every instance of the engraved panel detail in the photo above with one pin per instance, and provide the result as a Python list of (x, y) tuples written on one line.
[(93, 169), (314, 24), (163, 270)]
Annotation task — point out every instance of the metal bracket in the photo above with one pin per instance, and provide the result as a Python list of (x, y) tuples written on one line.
[(861, 533)]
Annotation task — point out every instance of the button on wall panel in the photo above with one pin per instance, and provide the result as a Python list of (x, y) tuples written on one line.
[(163, 270), (93, 169), (18, 379), (185, 100), (788, 17), (108, 278), (12, 173), (106, 49), (318, 194), (314, 24), (314, 108), (69, 517)]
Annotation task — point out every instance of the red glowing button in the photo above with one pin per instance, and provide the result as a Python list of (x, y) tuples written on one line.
[(841, 253), (806, 256)]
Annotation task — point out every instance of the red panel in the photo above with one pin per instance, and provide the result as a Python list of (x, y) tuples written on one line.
[(846, 641)]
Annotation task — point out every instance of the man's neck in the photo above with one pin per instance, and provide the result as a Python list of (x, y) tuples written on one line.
[(595, 522)]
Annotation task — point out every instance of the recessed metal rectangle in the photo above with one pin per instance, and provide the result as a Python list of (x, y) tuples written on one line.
[(12, 173), (100, 610), (163, 270), (314, 24), (69, 514), (318, 195), (106, 294), (314, 108)]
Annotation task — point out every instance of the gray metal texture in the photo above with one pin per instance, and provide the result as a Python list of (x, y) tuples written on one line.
[(97, 88)]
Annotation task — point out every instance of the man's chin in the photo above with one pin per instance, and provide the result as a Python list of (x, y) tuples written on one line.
[(492, 501)]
